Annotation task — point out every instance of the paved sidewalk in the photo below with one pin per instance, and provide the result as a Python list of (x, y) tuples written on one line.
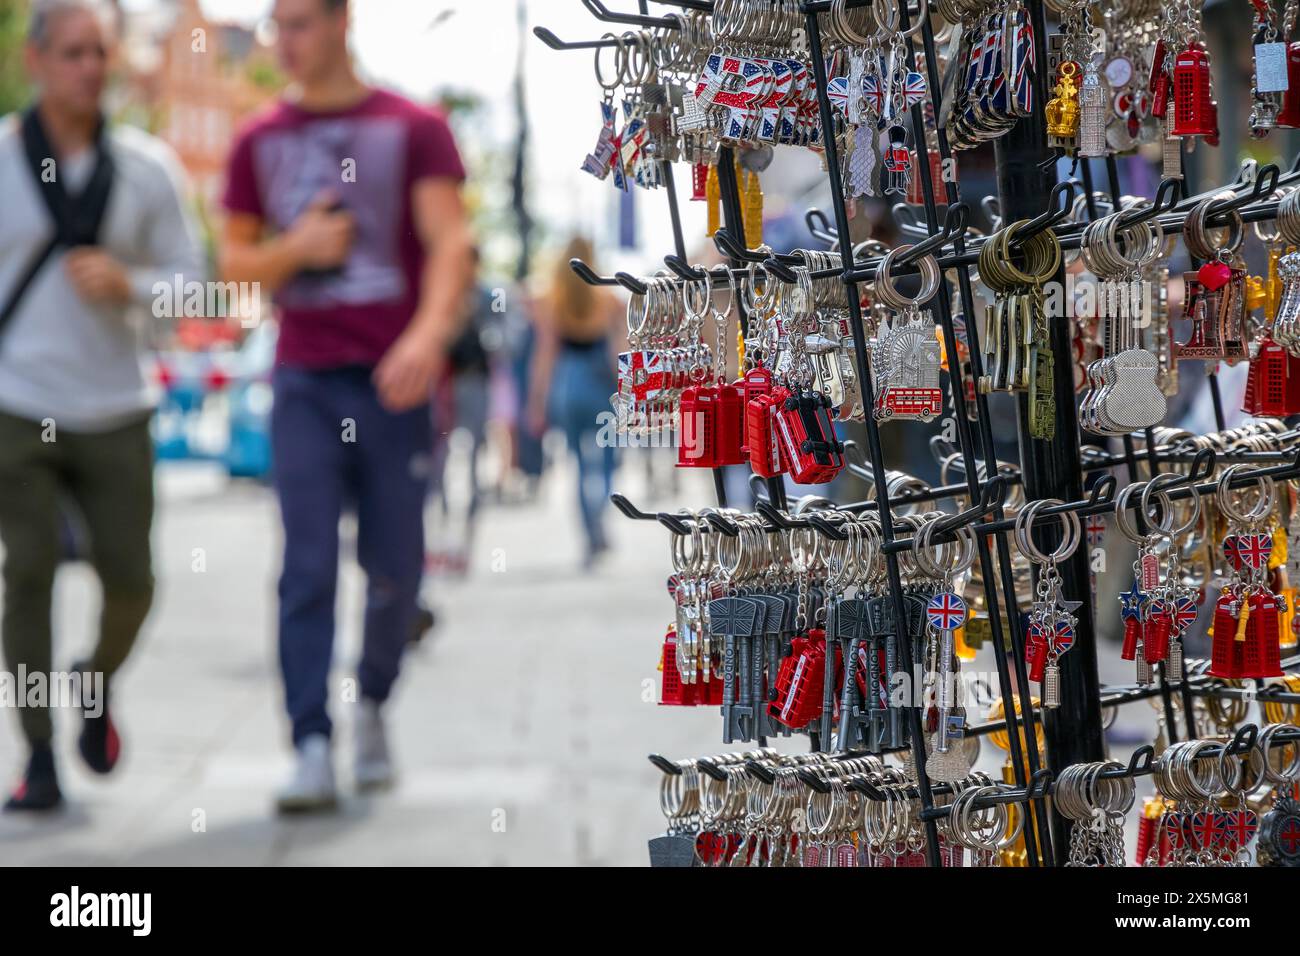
[(521, 727)]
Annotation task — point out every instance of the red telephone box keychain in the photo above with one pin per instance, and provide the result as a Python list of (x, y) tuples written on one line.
[(1247, 616)]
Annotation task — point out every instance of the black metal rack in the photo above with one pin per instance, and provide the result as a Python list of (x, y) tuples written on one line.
[(1027, 191)]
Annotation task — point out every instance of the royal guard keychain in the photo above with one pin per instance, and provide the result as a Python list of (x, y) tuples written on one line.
[(1052, 624)]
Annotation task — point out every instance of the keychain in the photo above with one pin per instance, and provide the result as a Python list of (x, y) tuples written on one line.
[(1052, 624), (1247, 615), (905, 351), (946, 612)]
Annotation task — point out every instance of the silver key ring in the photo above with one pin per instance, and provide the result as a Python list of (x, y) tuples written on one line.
[(1155, 485), (888, 294), (1071, 531), (1262, 507)]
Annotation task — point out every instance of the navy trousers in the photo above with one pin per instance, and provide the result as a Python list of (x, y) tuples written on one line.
[(335, 446)]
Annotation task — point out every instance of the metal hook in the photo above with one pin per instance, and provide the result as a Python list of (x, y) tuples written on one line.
[(1103, 492), (1243, 741), (666, 765), (679, 268), (1052, 216), (588, 275), (1266, 174), (1139, 762), (1168, 191), (827, 528), (954, 224), (555, 43), (813, 781), (784, 273), (1038, 784), (630, 282), (672, 522), (778, 517), (722, 524), (819, 226), (603, 13), (712, 770)]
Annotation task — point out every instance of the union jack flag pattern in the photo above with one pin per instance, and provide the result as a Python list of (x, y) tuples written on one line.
[(946, 611), (1023, 58), (913, 89), (1248, 550), (641, 374)]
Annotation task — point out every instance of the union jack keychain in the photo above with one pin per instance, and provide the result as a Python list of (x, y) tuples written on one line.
[(600, 160), (1173, 609), (945, 612), (1052, 624), (1147, 615)]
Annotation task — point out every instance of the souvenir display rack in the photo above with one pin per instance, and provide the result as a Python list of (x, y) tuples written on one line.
[(1054, 468)]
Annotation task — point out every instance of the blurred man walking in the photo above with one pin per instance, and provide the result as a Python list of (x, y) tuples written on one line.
[(344, 201), (93, 218)]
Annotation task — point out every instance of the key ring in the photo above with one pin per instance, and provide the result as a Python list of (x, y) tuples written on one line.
[(1200, 243), (1263, 506), (691, 294), (1124, 520), (929, 557), (888, 294), (1155, 485), (1290, 771), (1071, 530), (600, 76), (750, 298)]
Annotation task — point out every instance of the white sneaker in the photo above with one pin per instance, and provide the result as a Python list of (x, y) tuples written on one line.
[(312, 785), (373, 769)]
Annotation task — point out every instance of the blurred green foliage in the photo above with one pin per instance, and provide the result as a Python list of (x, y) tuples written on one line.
[(14, 90)]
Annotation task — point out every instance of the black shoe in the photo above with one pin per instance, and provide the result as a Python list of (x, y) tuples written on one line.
[(39, 788), (99, 742), (424, 622)]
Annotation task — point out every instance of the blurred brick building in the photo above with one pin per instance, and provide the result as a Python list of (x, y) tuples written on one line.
[(193, 81)]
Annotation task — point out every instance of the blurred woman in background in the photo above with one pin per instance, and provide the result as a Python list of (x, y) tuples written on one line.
[(574, 374)]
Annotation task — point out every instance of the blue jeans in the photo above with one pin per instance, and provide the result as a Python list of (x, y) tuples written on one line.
[(584, 380), (334, 445)]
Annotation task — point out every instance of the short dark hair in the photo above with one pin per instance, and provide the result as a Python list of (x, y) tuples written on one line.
[(335, 5), (44, 13)]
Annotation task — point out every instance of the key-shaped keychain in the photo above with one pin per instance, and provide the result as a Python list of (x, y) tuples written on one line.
[(945, 612), (735, 619)]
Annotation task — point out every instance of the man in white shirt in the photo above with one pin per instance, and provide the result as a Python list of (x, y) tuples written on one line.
[(93, 219)]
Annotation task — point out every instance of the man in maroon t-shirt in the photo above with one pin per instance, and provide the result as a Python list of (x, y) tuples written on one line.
[(344, 202)]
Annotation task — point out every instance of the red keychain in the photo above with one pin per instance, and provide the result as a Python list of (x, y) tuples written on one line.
[(809, 447), (1289, 117), (1194, 109), (1247, 616)]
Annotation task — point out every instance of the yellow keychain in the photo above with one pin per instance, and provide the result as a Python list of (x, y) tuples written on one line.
[(713, 201), (753, 213)]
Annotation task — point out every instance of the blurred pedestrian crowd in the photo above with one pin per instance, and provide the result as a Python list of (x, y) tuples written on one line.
[(395, 370)]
